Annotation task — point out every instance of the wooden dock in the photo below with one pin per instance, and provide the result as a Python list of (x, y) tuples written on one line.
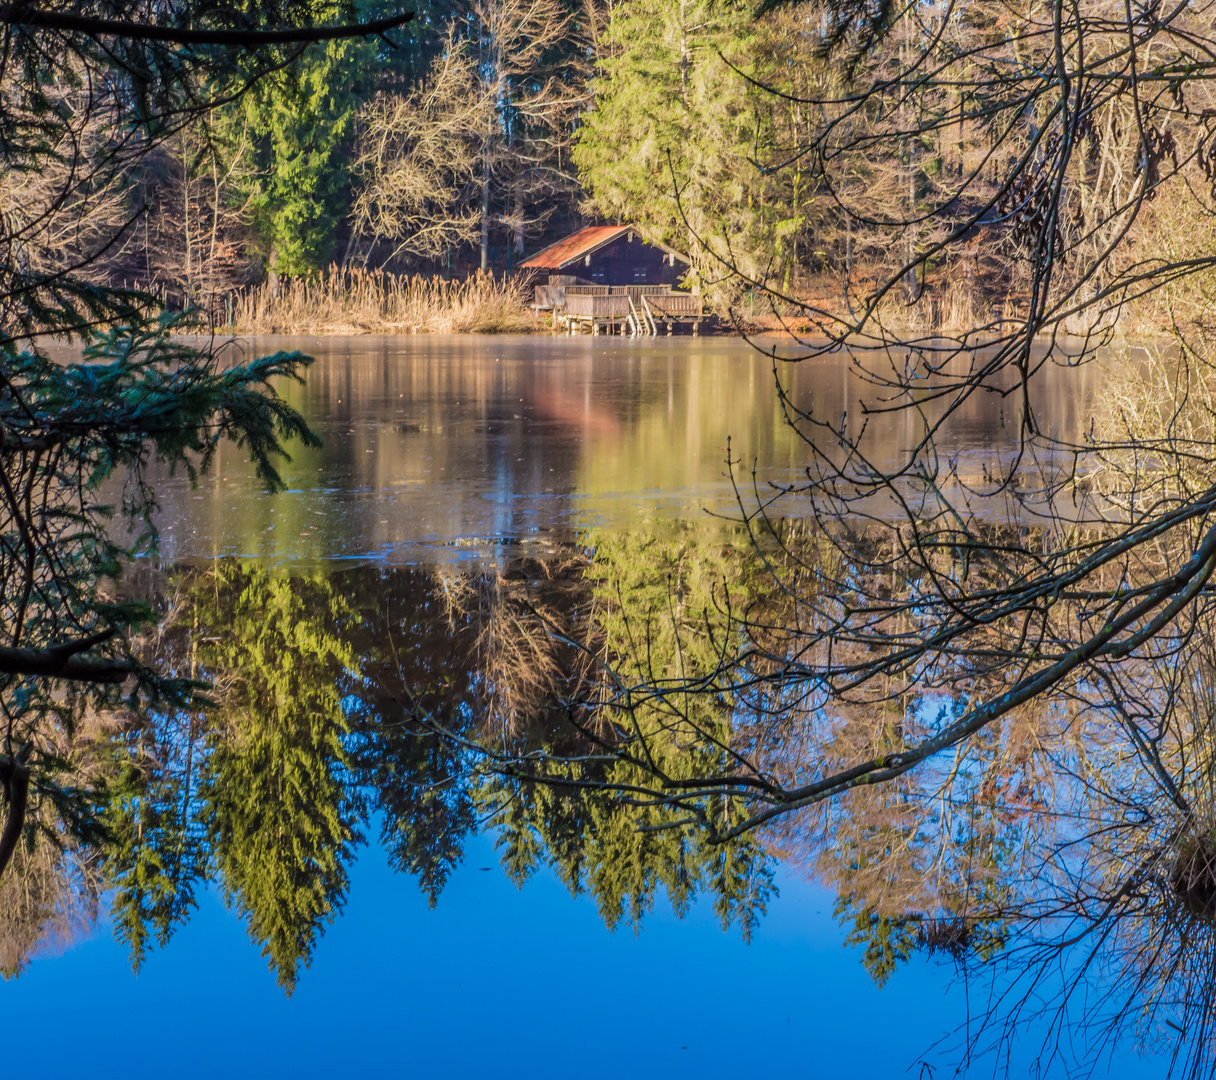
[(672, 309), (636, 310)]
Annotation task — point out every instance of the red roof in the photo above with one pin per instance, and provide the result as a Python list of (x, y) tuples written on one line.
[(575, 247)]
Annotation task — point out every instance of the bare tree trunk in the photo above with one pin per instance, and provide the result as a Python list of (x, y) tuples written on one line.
[(186, 221), (910, 283), (212, 277), (485, 208), (685, 57), (16, 782)]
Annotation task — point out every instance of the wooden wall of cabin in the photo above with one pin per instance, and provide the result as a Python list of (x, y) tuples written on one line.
[(625, 263)]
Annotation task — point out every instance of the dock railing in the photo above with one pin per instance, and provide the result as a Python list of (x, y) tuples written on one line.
[(675, 305), (635, 309), (597, 307), (553, 297), (638, 291)]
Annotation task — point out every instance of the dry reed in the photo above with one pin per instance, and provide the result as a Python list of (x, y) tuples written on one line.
[(374, 302)]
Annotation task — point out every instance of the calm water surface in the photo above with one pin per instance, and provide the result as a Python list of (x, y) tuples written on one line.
[(494, 457), (442, 448)]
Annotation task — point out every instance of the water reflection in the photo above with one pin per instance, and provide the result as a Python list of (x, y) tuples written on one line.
[(566, 625), (1053, 858), (439, 449), (328, 694)]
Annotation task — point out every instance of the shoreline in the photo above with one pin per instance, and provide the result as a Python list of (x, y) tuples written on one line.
[(355, 303)]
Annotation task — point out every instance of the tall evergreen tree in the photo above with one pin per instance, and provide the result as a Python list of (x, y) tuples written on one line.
[(303, 121), (670, 141), (282, 814)]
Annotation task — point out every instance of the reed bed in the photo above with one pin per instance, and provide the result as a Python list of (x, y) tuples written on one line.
[(373, 302)]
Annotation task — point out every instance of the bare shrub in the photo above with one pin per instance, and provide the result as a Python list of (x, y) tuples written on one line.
[(48, 900)]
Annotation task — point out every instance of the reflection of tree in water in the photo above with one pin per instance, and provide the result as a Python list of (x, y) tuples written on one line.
[(281, 814), (1062, 852), (502, 659), (326, 696), (50, 898), (1063, 862), (1063, 857), (1120, 924), (251, 790)]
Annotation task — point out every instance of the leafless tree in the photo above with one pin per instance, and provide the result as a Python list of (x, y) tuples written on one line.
[(525, 149), (191, 237), (420, 160), (483, 143)]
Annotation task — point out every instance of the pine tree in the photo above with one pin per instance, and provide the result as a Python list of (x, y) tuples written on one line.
[(303, 120), (670, 142)]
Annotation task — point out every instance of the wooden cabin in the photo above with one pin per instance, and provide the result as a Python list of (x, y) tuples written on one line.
[(608, 255), (607, 278)]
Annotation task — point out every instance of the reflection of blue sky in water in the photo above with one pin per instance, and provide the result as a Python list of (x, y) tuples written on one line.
[(494, 981)]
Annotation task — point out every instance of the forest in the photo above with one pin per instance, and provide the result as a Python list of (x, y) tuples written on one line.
[(782, 166)]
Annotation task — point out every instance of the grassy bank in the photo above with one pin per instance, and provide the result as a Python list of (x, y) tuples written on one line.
[(360, 302)]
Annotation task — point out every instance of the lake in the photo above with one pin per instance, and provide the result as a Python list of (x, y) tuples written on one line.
[(442, 448), (431, 919)]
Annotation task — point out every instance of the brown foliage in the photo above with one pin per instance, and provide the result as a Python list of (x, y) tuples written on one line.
[(357, 302)]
